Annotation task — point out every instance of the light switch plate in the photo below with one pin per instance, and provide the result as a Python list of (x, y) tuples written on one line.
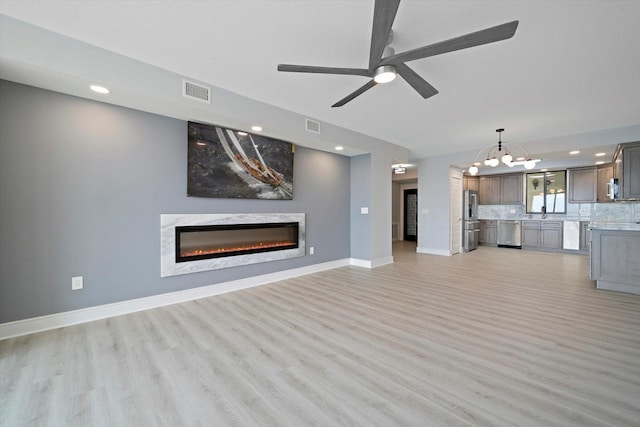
[(76, 283), (364, 210)]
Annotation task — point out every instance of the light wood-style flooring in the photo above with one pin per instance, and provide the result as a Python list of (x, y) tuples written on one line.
[(495, 337)]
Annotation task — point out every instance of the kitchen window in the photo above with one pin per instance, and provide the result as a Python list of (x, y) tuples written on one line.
[(547, 192)]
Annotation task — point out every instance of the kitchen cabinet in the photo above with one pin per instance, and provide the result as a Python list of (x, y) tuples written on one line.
[(471, 183), (501, 189), (489, 190), (584, 236), (583, 185), (511, 189), (626, 169), (551, 234), (605, 173), (488, 232), (614, 259), (531, 233), (542, 234)]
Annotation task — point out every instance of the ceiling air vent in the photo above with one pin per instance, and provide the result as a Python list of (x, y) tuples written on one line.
[(195, 91), (312, 126)]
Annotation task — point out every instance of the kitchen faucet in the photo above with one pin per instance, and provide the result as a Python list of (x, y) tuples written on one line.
[(544, 212)]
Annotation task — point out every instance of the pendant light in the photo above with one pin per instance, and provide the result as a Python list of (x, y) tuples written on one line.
[(500, 153)]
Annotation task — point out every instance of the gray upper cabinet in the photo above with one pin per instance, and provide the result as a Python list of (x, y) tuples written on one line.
[(583, 185), (501, 189), (511, 189), (489, 190), (627, 170), (631, 172), (605, 173), (471, 183)]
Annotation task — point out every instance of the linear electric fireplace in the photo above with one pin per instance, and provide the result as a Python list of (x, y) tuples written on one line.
[(215, 241), (191, 243)]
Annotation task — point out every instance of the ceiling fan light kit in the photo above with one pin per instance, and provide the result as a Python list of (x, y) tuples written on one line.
[(385, 64), (385, 74), (500, 150)]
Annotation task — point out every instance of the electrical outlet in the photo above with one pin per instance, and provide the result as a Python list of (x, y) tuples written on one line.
[(76, 283), (312, 250)]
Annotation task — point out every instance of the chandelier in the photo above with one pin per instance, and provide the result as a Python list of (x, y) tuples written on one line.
[(502, 152)]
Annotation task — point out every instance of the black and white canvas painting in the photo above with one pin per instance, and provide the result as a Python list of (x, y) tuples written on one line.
[(226, 163)]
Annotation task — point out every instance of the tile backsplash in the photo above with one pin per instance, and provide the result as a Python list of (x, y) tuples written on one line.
[(618, 212)]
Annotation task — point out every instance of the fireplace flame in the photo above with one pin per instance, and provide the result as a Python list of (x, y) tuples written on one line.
[(231, 250)]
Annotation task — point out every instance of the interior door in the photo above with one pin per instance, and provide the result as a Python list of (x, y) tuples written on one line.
[(411, 214), (455, 188)]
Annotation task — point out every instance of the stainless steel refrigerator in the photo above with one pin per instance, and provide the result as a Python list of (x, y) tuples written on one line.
[(470, 222)]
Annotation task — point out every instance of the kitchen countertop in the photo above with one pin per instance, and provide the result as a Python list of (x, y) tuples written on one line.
[(622, 226), (535, 219)]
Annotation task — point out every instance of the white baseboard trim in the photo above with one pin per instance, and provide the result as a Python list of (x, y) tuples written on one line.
[(381, 261), (68, 318), (371, 264), (432, 251), (360, 262)]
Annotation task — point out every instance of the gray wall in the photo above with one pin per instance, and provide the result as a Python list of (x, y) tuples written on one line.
[(360, 197), (82, 187), (433, 205)]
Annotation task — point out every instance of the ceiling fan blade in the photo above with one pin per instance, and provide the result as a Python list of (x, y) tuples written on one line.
[(418, 83), (489, 35), (323, 70), (352, 95), (384, 14)]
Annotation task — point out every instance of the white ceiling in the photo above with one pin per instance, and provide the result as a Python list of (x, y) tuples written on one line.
[(572, 67)]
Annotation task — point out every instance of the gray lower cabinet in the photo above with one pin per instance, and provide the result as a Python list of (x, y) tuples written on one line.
[(615, 263), (488, 232), (542, 234), (585, 240), (551, 235), (531, 233)]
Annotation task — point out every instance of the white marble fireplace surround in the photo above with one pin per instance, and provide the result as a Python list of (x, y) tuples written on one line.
[(168, 222)]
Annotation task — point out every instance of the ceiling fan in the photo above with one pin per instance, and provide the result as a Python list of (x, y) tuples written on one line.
[(384, 63)]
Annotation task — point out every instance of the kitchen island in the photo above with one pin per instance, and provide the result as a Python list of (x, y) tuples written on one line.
[(615, 256)]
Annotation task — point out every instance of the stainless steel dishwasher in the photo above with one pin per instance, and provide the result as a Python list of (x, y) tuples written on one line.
[(509, 234)]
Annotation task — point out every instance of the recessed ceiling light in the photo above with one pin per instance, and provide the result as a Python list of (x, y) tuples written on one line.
[(256, 128), (574, 152), (600, 163), (478, 163), (242, 133), (543, 170), (600, 154), (520, 159), (339, 148), (99, 89)]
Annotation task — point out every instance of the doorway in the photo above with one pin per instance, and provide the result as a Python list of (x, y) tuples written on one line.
[(411, 214), (455, 209)]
